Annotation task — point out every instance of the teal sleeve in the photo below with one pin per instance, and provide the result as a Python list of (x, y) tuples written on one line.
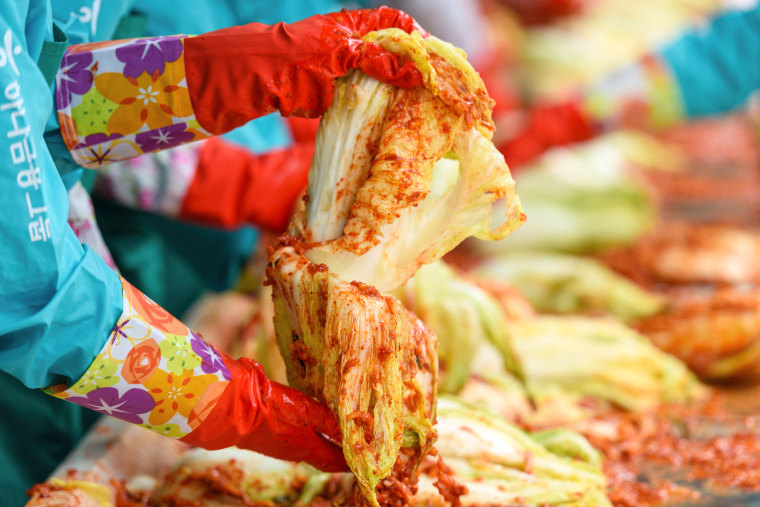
[(288, 11), (262, 134), (717, 66), (166, 16), (58, 300)]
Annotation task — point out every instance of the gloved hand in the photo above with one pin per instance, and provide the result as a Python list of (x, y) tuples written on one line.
[(240, 73), (157, 93), (545, 127), (255, 413), (155, 372), (233, 186)]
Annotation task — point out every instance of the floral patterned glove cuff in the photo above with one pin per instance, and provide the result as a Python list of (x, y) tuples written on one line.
[(152, 371), (119, 99)]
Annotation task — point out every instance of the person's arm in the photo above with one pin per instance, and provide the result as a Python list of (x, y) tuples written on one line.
[(119, 99), (72, 325), (706, 71), (214, 182), (703, 72), (155, 372)]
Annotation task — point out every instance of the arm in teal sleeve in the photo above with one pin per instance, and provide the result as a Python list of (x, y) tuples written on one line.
[(58, 300), (709, 69), (717, 66)]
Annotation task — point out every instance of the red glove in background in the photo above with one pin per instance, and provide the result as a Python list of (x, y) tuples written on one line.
[(257, 414), (533, 12), (233, 186), (240, 73), (546, 127)]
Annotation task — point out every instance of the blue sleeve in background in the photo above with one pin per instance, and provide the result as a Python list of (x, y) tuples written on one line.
[(287, 11), (717, 65)]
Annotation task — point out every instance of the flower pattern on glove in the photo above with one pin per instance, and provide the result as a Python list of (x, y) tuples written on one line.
[(175, 394), (100, 374), (152, 371), (77, 76), (164, 138), (120, 100), (109, 401), (143, 100), (212, 361), (179, 354), (141, 362), (149, 55), (167, 430)]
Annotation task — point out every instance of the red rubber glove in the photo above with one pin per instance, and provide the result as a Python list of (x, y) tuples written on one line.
[(303, 130), (257, 414), (233, 186), (240, 73), (546, 127)]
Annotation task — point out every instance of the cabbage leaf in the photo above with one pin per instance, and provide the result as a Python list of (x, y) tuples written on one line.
[(363, 354), (397, 182)]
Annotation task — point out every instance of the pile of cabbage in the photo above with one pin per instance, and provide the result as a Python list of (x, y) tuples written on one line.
[(494, 352), (497, 462)]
